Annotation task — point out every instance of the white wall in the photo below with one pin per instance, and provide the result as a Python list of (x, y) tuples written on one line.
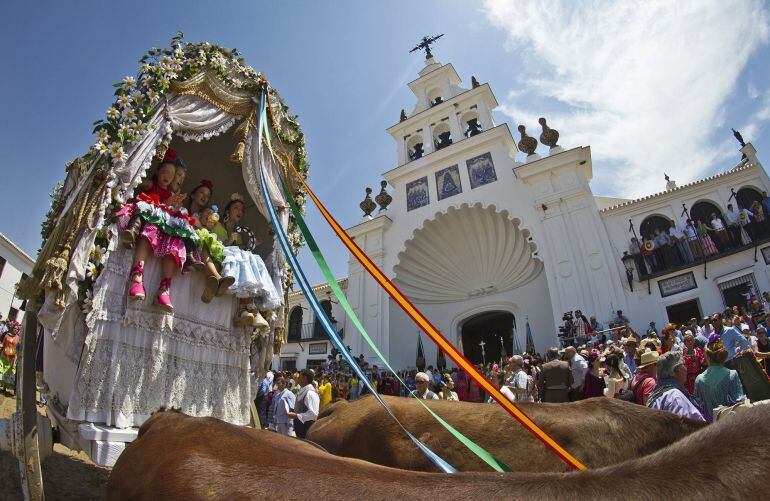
[(17, 262)]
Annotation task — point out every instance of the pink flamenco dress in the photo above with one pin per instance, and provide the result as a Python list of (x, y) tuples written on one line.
[(164, 227)]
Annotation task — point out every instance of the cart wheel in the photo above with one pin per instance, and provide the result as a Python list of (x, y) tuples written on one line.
[(25, 422)]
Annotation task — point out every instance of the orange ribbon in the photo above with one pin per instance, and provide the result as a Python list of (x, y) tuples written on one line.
[(437, 337)]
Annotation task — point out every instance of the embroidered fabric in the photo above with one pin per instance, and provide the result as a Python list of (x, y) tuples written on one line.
[(138, 358)]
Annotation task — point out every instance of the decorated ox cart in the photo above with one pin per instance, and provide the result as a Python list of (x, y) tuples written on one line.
[(152, 292)]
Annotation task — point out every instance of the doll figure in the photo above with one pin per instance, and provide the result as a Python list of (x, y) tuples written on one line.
[(154, 226), (253, 284)]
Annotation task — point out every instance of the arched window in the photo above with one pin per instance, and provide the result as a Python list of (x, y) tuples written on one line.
[(747, 195), (703, 210), (470, 121), (318, 330), (441, 136), (652, 223), (295, 324), (434, 97), (414, 147)]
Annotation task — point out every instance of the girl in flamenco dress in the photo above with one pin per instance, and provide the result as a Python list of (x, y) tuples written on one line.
[(9, 348), (253, 285), (153, 225), (212, 253)]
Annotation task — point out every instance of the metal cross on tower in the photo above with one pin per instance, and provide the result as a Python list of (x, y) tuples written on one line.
[(425, 44)]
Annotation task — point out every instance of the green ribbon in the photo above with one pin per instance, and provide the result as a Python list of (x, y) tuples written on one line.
[(488, 458)]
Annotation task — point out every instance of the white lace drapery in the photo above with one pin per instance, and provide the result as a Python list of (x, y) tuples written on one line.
[(138, 358), (135, 358)]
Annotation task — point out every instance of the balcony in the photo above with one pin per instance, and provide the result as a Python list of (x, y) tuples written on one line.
[(677, 263), (310, 332)]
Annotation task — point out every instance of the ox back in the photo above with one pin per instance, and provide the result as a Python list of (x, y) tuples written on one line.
[(598, 431), (182, 457)]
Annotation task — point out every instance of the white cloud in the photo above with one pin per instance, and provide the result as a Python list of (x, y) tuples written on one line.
[(644, 84)]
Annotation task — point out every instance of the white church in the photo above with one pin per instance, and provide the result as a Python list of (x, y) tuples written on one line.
[(483, 244)]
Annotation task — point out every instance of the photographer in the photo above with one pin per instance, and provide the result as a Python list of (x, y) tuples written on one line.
[(567, 331)]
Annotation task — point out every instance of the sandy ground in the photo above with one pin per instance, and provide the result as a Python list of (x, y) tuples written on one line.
[(66, 474)]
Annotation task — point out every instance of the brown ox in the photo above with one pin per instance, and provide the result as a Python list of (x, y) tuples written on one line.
[(187, 458), (598, 431)]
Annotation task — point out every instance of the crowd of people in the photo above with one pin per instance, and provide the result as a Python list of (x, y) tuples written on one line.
[(685, 369), (675, 244)]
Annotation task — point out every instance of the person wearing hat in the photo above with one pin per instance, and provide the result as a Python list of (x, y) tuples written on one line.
[(646, 376), (669, 393), (652, 331)]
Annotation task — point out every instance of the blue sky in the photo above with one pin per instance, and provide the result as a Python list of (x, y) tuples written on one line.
[(652, 87)]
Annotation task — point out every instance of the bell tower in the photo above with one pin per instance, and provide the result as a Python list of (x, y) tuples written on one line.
[(437, 119)]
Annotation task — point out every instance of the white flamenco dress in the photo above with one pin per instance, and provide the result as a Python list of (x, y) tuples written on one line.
[(251, 277)]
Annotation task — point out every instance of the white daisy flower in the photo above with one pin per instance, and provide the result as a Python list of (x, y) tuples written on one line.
[(140, 128), (178, 52), (164, 81), (129, 83), (129, 114), (145, 67), (116, 150), (101, 148), (165, 61), (153, 95), (136, 96), (133, 137), (92, 271), (148, 80), (102, 135), (112, 112), (98, 253), (124, 101), (124, 129)]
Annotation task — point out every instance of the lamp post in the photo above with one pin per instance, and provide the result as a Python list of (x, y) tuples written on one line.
[(628, 262)]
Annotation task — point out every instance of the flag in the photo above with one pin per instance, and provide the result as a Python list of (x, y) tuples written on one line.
[(516, 343), (530, 340), (440, 360), (420, 353)]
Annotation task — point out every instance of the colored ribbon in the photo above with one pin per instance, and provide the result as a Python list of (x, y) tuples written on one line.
[(315, 305), (438, 338), (495, 463)]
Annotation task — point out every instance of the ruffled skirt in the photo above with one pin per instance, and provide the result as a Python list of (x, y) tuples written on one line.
[(7, 370), (208, 242), (164, 231), (251, 277)]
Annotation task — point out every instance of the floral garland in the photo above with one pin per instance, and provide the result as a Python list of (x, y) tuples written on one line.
[(137, 99), (97, 258)]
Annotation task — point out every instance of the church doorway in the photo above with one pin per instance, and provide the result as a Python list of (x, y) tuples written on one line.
[(492, 328)]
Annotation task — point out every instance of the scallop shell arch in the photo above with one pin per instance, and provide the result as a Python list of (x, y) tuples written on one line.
[(466, 252)]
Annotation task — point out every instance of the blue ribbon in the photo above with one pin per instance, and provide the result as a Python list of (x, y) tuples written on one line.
[(313, 300)]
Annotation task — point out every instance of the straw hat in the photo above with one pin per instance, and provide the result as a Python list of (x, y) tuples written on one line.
[(648, 358)]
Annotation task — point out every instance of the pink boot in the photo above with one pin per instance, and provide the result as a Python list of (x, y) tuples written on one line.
[(137, 292), (163, 299)]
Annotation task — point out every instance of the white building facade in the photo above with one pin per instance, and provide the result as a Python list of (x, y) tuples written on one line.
[(14, 264), (483, 244)]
